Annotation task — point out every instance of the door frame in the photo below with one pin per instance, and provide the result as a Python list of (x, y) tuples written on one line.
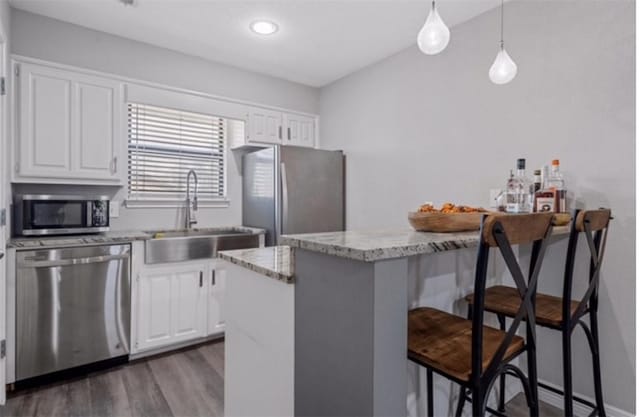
[(5, 190)]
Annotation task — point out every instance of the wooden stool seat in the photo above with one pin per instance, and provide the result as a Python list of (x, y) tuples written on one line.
[(506, 301), (442, 341)]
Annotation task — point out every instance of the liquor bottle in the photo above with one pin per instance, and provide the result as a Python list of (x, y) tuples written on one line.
[(535, 186), (556, 184), (519, 191), (511, 194), (544, 201), (537, 180)]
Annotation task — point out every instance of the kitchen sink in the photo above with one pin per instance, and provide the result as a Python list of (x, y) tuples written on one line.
[(188, 233), (187, 245)]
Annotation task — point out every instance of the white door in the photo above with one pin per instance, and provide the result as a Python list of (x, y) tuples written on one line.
[(300, 130), (217, 282), (45, 113), (96, 107), (171, 305), (265, 126)]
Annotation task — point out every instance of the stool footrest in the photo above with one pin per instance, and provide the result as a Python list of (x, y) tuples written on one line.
[(493, 411)]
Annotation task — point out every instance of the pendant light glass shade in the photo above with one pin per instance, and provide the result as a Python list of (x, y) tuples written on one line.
[(503, 69), (434, 35)]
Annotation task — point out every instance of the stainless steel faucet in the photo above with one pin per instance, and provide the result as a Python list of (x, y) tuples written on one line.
[(192, 204)]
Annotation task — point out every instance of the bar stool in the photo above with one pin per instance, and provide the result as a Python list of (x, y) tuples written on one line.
[(469, 352), (564, 313)]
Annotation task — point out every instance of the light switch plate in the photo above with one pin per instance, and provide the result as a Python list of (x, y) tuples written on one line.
[(114, 209)]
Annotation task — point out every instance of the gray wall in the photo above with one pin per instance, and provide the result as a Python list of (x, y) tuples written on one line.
[(53, 40), (417, 128)]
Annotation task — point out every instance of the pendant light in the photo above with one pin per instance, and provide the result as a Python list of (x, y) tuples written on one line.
[(434, 35), (503, 69)]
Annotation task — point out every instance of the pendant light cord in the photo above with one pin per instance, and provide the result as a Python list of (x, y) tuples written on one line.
[(502, 25)]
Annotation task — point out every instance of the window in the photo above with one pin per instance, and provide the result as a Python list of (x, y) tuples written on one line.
[(164, 144)]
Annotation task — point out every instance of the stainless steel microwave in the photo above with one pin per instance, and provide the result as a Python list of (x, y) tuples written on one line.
[(38, 215)]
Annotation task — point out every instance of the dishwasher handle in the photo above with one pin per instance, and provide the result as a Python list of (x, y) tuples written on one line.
[(72, 261)]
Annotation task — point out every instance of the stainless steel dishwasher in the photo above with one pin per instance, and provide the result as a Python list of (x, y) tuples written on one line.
[(73, 307)]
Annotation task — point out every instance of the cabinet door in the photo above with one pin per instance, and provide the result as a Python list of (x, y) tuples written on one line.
[(218, 277), (300, 130), (69, 126), (45, 126), (188, 304), (265, 126), (97, 108), (154, 309), (171, 305)]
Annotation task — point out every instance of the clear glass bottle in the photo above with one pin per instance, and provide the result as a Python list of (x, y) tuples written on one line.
[(537, 180), (519, 191), (511, 194), (536, 185), (556, 184), (524, 188)]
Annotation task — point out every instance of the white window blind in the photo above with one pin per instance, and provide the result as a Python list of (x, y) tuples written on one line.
[(164, 144)]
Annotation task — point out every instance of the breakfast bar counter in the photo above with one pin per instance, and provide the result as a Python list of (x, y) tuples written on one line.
[(335, 333)]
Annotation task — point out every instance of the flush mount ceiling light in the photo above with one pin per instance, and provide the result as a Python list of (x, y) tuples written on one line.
[(128, 2), (434, 36), (503, 69), (263, 27)]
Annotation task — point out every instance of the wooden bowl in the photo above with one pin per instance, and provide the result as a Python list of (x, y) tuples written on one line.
[(445, 222), (561, 219)]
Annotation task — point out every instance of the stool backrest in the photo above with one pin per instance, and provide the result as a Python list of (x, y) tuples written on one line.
[(503, 231), (594, 225)]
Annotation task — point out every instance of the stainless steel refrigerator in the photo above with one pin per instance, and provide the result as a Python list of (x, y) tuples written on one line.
[(289, 190)]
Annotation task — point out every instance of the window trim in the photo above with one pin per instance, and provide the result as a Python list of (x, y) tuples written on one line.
[(155, 202)]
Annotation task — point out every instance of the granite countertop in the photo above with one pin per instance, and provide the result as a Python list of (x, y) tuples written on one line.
[(115, 236), (56, 241), (379, 245), (275, 262)]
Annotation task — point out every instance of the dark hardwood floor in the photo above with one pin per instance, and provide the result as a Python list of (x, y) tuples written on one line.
[(517, 407), (186, 383)]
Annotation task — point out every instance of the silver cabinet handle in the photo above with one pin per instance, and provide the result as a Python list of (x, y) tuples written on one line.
[(285, 196), (289, 133), (74, 261), (279, 132), (213, 277), (201, 274), (114, 165)]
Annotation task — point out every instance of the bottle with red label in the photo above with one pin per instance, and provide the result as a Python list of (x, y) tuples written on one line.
[(552, 197)]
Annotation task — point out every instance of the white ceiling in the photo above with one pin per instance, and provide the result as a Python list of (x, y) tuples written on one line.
[(319, 40)]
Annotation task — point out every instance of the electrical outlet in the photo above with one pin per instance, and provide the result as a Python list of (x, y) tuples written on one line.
[(114, 209)]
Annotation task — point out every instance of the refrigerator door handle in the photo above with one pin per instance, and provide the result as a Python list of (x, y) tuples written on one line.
[(285, 197)]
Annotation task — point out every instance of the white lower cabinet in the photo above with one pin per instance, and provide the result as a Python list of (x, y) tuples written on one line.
[(215, 306), (175, 303)]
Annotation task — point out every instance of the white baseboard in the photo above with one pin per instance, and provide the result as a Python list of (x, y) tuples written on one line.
[(579, 410)]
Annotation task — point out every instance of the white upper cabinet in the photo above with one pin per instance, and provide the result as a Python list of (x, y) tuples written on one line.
[(68, 127), (98, 105), (273, 127), (300, 130), (264, 126)]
